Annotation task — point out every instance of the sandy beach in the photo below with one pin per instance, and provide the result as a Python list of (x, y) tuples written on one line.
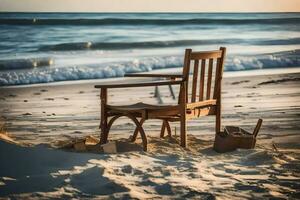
[(42, 117)]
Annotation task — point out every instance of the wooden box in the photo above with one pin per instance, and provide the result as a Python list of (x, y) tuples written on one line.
[(235, 137)]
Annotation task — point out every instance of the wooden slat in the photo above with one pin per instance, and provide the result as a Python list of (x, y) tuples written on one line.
[(209, 75), (201, 91), (216, 79), (206, 55), (195, 77), (186, 69), (186, 64), (187, 90)]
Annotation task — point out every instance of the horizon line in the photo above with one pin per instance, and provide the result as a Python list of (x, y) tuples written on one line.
[(156, 12)]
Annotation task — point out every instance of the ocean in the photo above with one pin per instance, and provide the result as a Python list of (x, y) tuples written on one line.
[(52, 47)]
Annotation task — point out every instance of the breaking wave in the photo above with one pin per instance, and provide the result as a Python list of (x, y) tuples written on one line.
[(53, 74)]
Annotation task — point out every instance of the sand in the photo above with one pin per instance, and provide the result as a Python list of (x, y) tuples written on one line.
[(44, 117)]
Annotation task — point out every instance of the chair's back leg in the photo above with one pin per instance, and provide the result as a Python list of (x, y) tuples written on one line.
[(168, 128), (218, 119), (165, 126), (183, 140), (219, 89), (218, 97), (163, 129)]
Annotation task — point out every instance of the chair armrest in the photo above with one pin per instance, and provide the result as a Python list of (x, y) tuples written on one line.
[(211, 102), (138, 84), (171, 76)]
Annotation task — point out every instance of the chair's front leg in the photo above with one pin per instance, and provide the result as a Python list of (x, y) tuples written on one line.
[(182, 101), (136, 131), (183, 139), (103, 120)]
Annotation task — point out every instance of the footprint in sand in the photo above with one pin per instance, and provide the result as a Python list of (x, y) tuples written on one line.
[(239, 82), (78, 132), (65, 98), (37, 93), (44, 90), (238, 106), (127, 169), (81, 92), (27, 114), (12, 95), (49, 99)]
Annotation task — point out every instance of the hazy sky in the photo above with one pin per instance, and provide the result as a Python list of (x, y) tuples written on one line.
[(150, 5)]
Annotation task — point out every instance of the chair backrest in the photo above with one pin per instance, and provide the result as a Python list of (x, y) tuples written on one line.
[(206, 68)]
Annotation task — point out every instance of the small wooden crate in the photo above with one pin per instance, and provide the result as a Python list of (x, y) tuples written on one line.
[(235, 137)]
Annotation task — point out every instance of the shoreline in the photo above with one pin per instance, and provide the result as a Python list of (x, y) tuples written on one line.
[(254, 72), (244, 97)]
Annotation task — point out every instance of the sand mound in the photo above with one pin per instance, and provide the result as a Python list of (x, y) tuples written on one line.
[(121, 169), (166, 170)]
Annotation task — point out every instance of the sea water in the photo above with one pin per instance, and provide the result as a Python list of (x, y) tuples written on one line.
[(52, 47)]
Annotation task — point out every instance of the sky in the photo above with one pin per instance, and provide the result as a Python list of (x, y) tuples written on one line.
[(149, 5)]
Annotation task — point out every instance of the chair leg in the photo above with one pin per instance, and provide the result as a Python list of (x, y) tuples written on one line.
[(218, 120), (141, 130), (111, 121), (163, 129), (136, 131), (168, 128), (103, 122), (104, 132), (183, 141)]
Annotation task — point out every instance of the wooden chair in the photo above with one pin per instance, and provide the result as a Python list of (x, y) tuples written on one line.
[(201, 99)]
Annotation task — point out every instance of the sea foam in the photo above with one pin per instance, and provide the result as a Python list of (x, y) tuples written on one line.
[(118, 69)]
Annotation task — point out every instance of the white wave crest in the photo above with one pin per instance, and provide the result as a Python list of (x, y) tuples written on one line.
[(108, 70)]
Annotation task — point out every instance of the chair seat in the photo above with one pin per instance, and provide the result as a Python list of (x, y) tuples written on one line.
[(144, 110)]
